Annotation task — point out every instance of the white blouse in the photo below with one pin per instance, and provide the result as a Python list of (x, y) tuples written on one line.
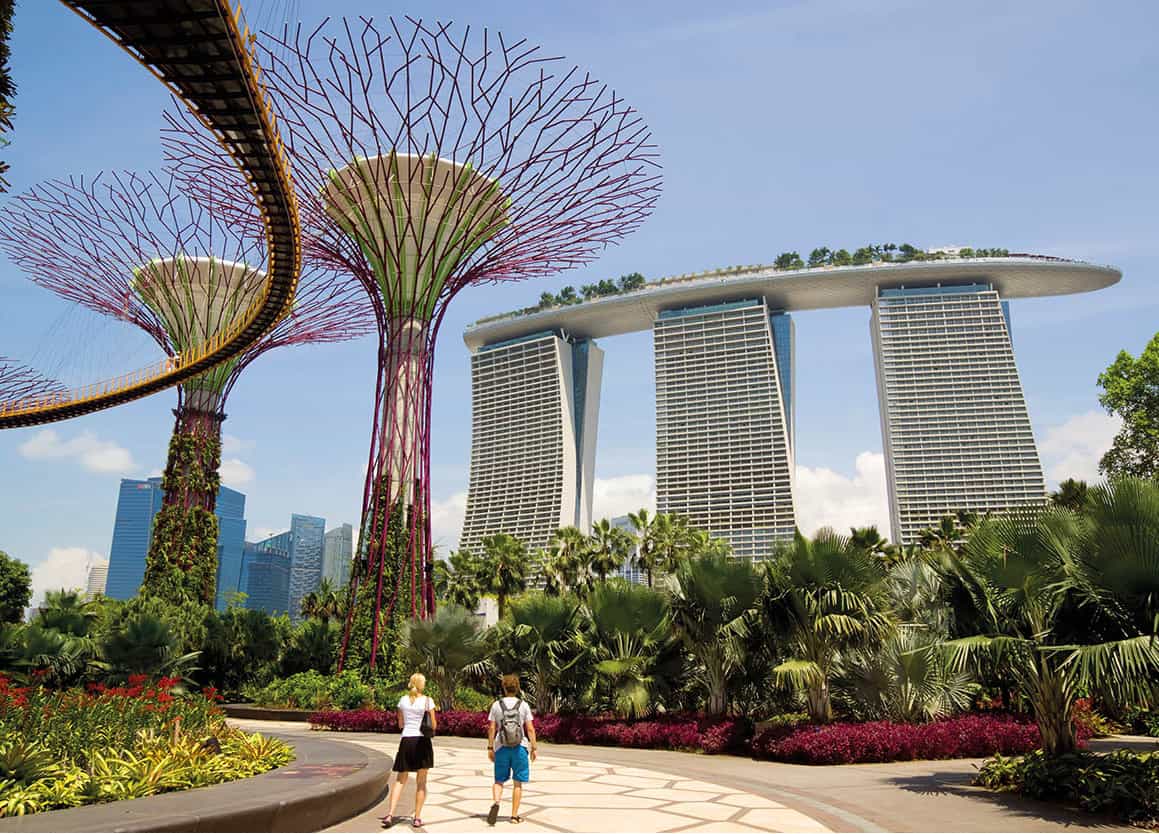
[(412, 714)]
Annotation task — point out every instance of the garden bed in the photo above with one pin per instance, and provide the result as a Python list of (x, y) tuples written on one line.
[(963, 737), (67, 748)]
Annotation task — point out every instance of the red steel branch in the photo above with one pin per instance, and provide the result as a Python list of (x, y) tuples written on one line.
[(18, 382)]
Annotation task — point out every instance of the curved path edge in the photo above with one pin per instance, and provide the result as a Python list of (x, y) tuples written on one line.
[(328, 782), (898, 796)]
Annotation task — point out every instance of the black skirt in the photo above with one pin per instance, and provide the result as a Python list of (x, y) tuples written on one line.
[(414, 753)]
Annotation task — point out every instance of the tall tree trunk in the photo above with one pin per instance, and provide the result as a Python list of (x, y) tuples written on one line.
[(1052, 700), (817, 701)]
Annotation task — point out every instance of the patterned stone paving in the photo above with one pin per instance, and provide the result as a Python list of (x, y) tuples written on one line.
[(567, 794)]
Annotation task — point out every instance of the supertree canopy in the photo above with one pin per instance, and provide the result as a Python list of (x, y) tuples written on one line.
[(18, 381), (139, 249), (429, 158)]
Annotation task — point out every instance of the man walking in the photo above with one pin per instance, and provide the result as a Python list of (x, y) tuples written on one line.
[(511, 745)]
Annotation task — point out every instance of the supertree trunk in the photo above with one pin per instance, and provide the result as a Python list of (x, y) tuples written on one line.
[(392, 572), (181, 565)]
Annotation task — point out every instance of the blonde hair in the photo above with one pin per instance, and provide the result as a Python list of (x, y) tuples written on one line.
[(510, 685), (418, 682)]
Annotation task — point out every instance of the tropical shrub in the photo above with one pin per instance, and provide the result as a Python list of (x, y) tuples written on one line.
[(313, 690), (636, 657), (827, 597), (713, 607), (1123, 784), (61, 749), (445, 647), (1048, 594), (969, 736)]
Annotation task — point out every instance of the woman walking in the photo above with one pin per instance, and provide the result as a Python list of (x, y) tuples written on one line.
[(416, 717)]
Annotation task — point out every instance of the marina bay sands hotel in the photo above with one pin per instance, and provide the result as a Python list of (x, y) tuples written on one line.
[(954, 422)]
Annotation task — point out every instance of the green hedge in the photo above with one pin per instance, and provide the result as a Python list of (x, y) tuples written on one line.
[(1123, 784)]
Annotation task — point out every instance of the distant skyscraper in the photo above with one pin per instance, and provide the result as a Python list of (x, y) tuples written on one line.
[(230, 544), (267, 574), (98, 578), (724, 416), (137, 504), (337, 552), (534, 411), (628, 570), (953, 417), (307, 537)]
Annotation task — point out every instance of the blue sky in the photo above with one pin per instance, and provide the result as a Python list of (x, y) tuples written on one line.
[(781, 125)]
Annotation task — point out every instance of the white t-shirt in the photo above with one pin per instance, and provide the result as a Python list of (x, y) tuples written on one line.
[(412, 714), (496, 718)]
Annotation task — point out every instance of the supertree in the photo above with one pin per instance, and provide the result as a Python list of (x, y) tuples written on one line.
[(428, 159), (137, 248), (19, 382)]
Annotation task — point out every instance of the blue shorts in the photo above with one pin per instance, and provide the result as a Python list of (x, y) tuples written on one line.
[(512, 761)]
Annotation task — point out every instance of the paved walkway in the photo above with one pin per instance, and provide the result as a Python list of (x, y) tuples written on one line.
[(584, 789)]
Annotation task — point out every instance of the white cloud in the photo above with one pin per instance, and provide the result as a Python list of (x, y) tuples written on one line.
[(64, 567), (825, 498), (612, 497), (447, 522), (235, 473), (231, 445), (1072, 449), (86, 448)]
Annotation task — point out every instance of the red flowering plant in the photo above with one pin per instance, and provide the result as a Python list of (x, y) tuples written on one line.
[(668, 732), (72, 723), (963, 737)]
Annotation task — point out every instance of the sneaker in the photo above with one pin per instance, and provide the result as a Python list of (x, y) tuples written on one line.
[(493, 814)]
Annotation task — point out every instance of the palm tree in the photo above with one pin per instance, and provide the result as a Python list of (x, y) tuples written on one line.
[(68, 612), (826, 597), (714, 601), (1071, 494), (673, 541), (457, 579), (872, 542), (146, 646), (609, 548), (323, 603), (539, 639), (502, 570), (445, 647), (645, 530), (701, 542), (636, 656), (569, 559), (1053, 594), (911, 677)]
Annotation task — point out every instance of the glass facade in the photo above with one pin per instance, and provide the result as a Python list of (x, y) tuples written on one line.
[(307, 542), (137, 504), (267, 574), (230, 544), (338, 551)]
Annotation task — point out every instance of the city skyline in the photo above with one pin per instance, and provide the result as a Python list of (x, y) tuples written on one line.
[(922, 170)]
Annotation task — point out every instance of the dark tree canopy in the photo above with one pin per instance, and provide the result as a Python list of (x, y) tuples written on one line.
[(1131, 391), (15, 588)]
